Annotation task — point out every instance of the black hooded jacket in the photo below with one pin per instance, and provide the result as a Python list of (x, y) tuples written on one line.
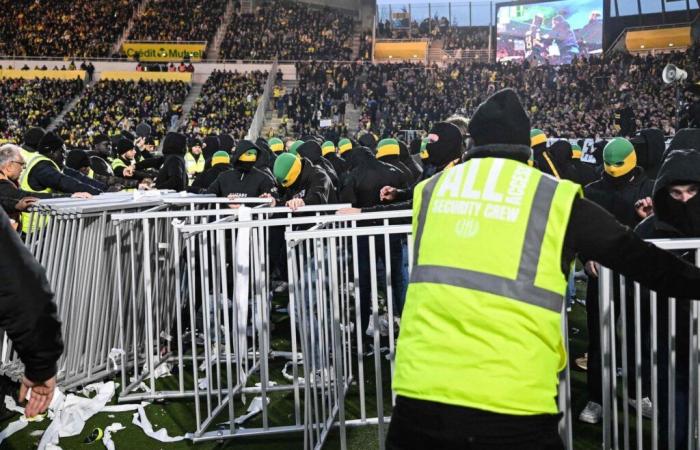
[(408, 161), (395, 161), (649, 144), (173, 172), (367, 177), (311, 151), (340, 165), (687, 138), (205, 179), (618, 195), (313, 186), (245, 179)]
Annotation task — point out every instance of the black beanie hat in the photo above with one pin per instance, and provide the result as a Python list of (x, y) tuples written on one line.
[(50, 143), (445, 144), (128, 135), (211, 146), (100, 138), (194, 142), (501, 119), (77, 159), (226, 143), (124, 145), (32, 137), (143, 130), (175, 144)]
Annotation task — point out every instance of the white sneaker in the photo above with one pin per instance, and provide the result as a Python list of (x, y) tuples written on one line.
[(647, 407), (592, 413)]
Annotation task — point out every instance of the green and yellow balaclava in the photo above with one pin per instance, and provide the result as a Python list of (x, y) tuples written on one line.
[(276, 145), (424, 149), (619, 157), (250, 155), (294, 148), (287, 169), (388, 147), (537, 137), (576, 151), (327, 148), (220, 157), (344, 145)]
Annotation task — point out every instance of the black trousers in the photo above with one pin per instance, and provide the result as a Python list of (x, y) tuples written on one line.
[(419, 424)]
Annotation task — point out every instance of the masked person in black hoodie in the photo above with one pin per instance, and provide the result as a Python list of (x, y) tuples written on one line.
[(303, 182), (366, 179), (388, 151), (270, 155), (173, 173), (676, 216), (311, 151), (245, 180), (211, 146), (443, 150), (621, 186)]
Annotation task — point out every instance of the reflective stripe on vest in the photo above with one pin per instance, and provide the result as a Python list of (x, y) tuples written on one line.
[(523, 287)]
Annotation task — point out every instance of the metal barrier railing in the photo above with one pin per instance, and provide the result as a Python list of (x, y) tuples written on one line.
[(659, 332), (178, 283)]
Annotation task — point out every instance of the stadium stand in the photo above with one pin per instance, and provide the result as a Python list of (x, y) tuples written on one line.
[(113, 105), (226, 104), (187, 20), (288, 31), (471, 38), (78, 28), (28, 103)]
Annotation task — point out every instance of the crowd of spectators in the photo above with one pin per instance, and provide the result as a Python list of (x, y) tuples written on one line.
[(582, 100), (465, 38), (78, 28), (226, 104), (179, 20), (365, 52), (325, 89), (30, 103), (113, 105), (289, 31), (453, 36)]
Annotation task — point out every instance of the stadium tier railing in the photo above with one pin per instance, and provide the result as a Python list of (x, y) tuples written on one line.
[(259, 118)]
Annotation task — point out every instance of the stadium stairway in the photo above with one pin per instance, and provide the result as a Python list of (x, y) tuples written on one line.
[(436, 54), (352, 118), (213, 50), (356, 44), (70, 105), (139, 9), (192, 97), (271, 120)]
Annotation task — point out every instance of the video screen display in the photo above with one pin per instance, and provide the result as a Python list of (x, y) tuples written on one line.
[(555, 31)]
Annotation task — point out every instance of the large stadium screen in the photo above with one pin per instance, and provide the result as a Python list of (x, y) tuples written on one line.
[(553, 31)]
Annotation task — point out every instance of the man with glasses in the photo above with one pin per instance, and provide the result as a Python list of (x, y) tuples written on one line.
[(13, 199)]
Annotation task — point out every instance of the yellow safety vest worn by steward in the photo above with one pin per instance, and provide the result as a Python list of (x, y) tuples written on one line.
[(35, 159), (481, 327), (193, 166)]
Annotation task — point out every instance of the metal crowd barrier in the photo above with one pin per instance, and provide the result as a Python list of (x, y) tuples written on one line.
[(650, 315), (76, 245)]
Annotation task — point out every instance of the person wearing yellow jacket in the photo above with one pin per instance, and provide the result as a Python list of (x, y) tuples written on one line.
[(480, 345), (194, 160)]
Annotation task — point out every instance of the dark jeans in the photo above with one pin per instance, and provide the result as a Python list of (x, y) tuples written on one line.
[(399, 275), (419, 424), (594, 372)]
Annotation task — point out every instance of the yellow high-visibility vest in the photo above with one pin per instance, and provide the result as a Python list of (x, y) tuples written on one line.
[(481, 327)]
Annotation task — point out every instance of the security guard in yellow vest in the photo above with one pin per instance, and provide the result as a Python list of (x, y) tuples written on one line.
[(194, 160), (480, 345), (44, 174)]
